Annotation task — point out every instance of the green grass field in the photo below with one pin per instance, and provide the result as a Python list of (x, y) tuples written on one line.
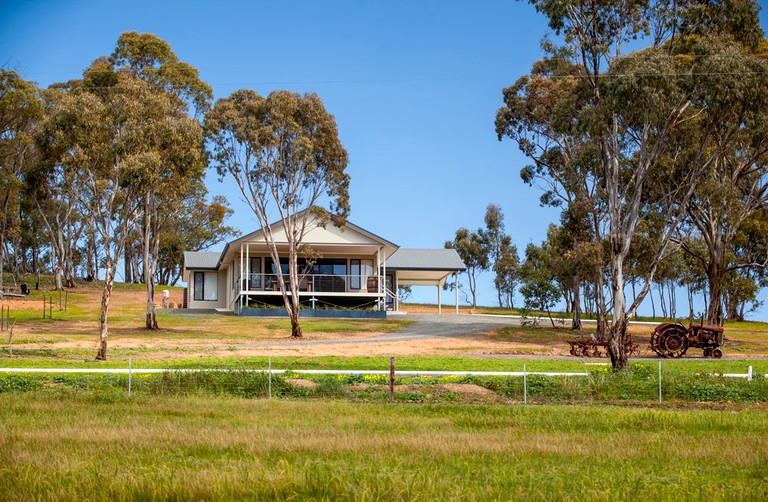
[(87, 447), (215, 435)]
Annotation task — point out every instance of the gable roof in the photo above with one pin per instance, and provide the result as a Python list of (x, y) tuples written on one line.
[(277, 225), (425, 259)]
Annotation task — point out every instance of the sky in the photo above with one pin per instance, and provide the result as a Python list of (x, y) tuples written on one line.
[(414, 87)]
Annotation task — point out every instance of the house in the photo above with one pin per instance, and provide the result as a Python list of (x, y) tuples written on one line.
[(349, 269)]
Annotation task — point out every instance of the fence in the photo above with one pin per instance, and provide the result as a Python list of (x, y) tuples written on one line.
[(597, 385)]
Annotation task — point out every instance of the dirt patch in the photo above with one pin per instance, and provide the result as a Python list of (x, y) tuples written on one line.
[(467, 388), (300, 382), (21, 304)]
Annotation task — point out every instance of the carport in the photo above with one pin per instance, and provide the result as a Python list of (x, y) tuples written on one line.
[(424, 267)]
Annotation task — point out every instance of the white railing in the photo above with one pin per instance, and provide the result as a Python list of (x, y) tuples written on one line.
[(314, 283)]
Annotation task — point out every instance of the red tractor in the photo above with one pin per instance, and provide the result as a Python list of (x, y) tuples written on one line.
[(671, 339)]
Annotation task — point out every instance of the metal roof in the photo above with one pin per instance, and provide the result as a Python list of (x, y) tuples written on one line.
[(201, 260), (425, 259)]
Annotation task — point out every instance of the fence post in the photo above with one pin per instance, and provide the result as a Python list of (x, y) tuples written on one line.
[(2, 317), (130, 375), (43, 306), (659, 381), (392, 378), (10, 338), (749, 374), (269, 373), (525, 385)]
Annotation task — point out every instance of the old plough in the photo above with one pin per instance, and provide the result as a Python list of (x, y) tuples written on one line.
[(591, 347)]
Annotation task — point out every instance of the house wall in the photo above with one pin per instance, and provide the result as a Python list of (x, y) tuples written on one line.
[(206, 304)]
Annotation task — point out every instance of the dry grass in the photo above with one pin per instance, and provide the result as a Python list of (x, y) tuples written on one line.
[(73, 333), (205, 448)]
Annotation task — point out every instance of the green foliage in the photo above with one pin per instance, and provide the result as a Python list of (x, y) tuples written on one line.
[(538, 288)]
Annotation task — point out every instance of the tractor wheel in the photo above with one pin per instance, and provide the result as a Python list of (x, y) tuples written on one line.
[(717, 353), (656, 343), (675, 345), (669, 340)]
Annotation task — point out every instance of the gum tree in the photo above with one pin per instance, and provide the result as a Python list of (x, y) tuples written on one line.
[(285, 156), (177, 140), (689, 74)]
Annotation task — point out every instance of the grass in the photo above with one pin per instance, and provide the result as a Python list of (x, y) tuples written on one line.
[(85, 447), (600, 385), (63, 359)]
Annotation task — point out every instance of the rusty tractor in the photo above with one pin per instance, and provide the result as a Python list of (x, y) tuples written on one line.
[(672, 339), (592, 347)]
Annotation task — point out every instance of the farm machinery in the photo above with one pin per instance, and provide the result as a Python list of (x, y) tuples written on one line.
[(671, 339), (599, 348)]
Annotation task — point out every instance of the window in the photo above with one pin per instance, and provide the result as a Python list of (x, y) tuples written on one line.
[(206, 286), (255, 271), (359, 271), (354, 274), (332, 274)]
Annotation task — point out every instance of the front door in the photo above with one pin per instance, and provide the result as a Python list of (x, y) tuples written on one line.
[(389, 283)]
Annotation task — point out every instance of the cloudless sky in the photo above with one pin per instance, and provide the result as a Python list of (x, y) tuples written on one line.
[(414, 87)]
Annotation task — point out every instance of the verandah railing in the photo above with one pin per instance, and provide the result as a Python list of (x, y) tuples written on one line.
[(315, 283)]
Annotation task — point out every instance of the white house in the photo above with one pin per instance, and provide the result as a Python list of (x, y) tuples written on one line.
[(350, 268)]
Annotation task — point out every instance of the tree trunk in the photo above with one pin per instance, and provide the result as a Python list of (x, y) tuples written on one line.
[(295, 326), (715, 279), (127, 266), (690, 302), (149, 280), (55, 267), (472, 288), (662, 301), (616, 350), (619, 250), (106, 295), (672, 299), (576, 324)]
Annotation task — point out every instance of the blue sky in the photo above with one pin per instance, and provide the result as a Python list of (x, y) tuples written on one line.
[(414, 87)]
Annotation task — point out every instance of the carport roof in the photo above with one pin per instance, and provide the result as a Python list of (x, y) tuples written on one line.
[(201, 260), (425, 259)]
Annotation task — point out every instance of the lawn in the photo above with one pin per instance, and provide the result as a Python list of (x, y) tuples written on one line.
[(88, 447)]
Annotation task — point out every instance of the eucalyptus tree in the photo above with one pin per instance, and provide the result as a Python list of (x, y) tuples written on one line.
[(108, 123), (55, 184), (20, 112), (506, 269), (544, 113), (734, 189), (743, 284), (474, 252), (285, 156), (502, 254), (639, 101), (200, 225), (538, 281), (177, 140)]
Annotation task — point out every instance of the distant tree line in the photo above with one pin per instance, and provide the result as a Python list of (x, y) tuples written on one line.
[(658, 157), (107, 170)]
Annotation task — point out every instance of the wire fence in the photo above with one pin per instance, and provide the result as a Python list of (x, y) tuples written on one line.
[(596, 385)]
